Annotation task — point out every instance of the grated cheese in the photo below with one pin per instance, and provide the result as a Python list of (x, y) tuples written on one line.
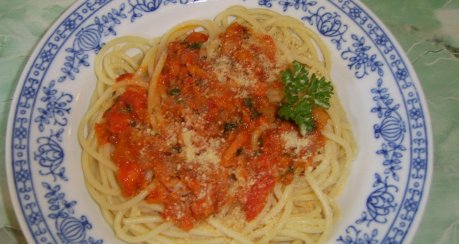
[(227, 69), (294, 142), (199, 150)]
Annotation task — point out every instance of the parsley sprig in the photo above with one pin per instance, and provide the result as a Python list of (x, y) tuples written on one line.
[(302, 94)]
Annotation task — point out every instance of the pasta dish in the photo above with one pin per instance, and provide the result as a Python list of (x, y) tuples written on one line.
[(224, 130)]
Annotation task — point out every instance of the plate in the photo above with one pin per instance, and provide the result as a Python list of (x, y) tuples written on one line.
[(389, 181)]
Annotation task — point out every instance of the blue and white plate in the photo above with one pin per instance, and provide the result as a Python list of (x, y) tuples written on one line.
[(387, 190)]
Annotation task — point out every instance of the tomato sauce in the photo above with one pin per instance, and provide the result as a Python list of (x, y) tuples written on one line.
[(220, 141)]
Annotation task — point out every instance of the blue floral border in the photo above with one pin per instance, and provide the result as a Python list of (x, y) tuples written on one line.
[(398, 123), (61, 224), (392, 133)]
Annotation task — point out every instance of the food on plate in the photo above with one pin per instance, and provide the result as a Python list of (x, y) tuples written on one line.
[(219, 130)]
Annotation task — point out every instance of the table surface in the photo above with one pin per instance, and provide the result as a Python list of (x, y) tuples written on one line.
[(428, 31)]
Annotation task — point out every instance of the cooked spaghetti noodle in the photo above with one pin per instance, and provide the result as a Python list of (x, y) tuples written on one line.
[(214, 157)]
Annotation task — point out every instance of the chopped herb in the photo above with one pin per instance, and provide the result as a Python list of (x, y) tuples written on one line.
[(287, 174), (229, 126), (174, 92), (127, 108), (260, 142), (248, 102), (302, 94), (194, 45), (254, 113), (233, 176), (176, 148), (239, 151)]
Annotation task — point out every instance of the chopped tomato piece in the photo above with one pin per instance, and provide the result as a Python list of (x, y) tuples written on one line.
[(257, 194), (131, 178), (196, 37), (125, 76)]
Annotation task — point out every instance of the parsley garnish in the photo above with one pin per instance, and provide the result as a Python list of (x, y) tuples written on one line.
[(302, 94)]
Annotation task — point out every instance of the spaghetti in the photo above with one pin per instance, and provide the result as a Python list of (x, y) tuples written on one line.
[(181, 142)]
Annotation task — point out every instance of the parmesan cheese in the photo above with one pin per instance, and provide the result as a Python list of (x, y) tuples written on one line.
[(295, 143), (199, 149), (190, 150), (226, 68)]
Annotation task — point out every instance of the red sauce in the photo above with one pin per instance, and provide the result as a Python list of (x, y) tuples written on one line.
[(194, 100)]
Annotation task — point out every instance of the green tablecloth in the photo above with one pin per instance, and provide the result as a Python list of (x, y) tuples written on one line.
[(428, 30)]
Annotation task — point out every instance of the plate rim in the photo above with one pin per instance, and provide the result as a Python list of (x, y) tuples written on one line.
[(20, 82), (415, 224)]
